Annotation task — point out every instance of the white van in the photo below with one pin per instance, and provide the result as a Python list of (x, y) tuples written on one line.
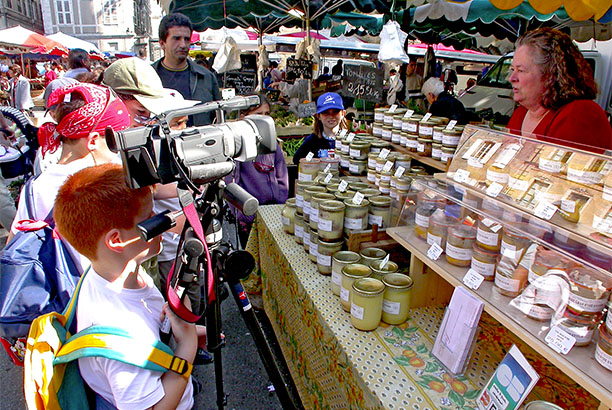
[(494, 91)]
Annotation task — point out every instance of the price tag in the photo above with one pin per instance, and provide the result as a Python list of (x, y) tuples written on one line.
[(568, 206), (350, 137), (451, 124), (384, 261), (494, 189), (427, 116), (358, 198), (545, 210), (434, 252), (392, 109), (559, 340), (495, 228), (473, 279), (408, 113), (388, 166), (309, 156), (327, 168), (473, 162), (384, 153), (342, 186), (328, 178), (343, 133), (461, 175), (399, 171)]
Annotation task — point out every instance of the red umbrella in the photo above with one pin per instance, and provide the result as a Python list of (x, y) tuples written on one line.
[(23, 36)]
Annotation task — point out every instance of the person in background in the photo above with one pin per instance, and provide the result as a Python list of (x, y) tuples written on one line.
[(58, 68), (337, 71), (78, 62), (442, 104), (178, 72), (275, 74), (395, 85), (266, 177), (469, 84), (21, 96), (554, 85), (326, 76), (142, 54), (414, 83), (7, 204), (329, 120), (50, 75)]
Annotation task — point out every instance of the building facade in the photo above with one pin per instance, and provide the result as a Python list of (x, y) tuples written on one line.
[(24, 13)]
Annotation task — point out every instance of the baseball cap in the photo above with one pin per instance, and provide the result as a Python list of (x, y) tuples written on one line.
[(132, 76), (329, 101)]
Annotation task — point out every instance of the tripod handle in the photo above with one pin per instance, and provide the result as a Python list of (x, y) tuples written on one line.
[(241, 199)]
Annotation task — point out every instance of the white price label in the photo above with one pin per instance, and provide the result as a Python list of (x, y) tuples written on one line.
[(408, 113), (328, 178), (559, 340), (426, 117), (545, 210), (494, 189), (384, 153), (342, 186), (434, 252), (309, 156), (392, 109), (384, 261), (568, 205), (461, 175), (327, 168), (388, 166), (350, 137), (358, 198), (475, 163), (343, 133), (325, 225), (451, 124), (399, 171), (473, 279), (495, 228)]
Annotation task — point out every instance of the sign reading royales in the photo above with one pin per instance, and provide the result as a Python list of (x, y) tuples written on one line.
[(301, 68), (362, 82)]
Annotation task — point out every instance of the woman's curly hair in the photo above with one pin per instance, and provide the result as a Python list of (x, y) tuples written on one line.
[(566, 74)]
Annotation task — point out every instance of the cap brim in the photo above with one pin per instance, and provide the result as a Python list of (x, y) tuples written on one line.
[(159, 105), (329, 107)]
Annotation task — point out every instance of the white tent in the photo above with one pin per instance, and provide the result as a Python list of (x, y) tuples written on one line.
[(73, 42)]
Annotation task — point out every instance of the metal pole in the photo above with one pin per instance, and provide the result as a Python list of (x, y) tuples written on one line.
[(308, 45)]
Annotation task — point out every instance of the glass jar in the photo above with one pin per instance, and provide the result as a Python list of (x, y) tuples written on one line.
[(426, 206), (377, 146), (380, 211), (379, 114), (396, 299), (396, 136), (331, 220), (384, 187), (459, 245), (437, 232), (379, 271), (437, 134), (300, 187), (372, 158), (496, 174), (299, 228), (412, 142), (308, 169), (380, 163), (369, 192), (451, 137), (333, 162), (377, 129), (426, 129), (436, 151), (313, 249), (424, 146), (585, 169), (488, 234), (484, 261), (339, 260), (358, 185), (404, 161), (403, 139), (341, 196), (359, 150), (288, 216), (401, 183), (350, 273), (387, 133), (581, 327), (371, 175), (315, 201), (306, 239), (398, 116), (447, 154), (332, 188), (589, 290), (346, 147), (513, 241), (603, 352), (308, 192), (338, 144), (344, 161), (388, 120), (324, 179), (544, 261), (412, 124), (357, 166), (326, 250), (356, 216), (369, 255), (366, 303)]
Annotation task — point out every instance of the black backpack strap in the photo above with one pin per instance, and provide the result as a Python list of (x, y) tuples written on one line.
[(28, 190)]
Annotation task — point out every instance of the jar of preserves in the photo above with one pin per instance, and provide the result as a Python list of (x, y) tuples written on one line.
[(496, 174), (345, 148), (300, 187), (315, 201), (424, 146), (299, 228), (412, 124), (396, 136), (379, 271), (404, 161), (377, 129), (426, 129), (387, 133), (484, 261), (358, 185), (385, 187), (437, 134), (331, 220), (380, 164), (358, 166), (339, 260), (313, 248), (341, 196), (437, 232), (344, 160), (544, 261), (603, 351), (350, 273), (332, 188), (380, 211), (308, 192), (366, 303), (589, 290), (403, 139), (371, 175), (379, 115), (388, 120), (306, 239), (325, 252), (396, 299), (308, 169), (581, 327), (377, 146), (372, 158), (488, 234), (436, 151), (459, 245), (369, 255), (398, 116), (451, 138), (288, 216), (332, 162), (359, 150), (426, 206), (513, 242), (447, 154), (412, 142), (356, 216)]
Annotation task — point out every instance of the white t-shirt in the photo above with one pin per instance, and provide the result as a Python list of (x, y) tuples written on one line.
[(138, 310)]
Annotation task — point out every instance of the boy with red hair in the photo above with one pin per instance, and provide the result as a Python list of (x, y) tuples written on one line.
[(117, 292)]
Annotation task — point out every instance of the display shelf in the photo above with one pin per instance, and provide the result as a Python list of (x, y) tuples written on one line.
[(579, 363), (434, 163)]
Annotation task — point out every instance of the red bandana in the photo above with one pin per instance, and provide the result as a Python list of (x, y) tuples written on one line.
[(102, 109)]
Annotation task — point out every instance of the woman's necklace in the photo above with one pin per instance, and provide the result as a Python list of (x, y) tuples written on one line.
[(532, 120)]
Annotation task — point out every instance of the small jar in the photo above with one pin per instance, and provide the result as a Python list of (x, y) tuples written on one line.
[(380, 163), (308, 169), (372, 157), (344, 161), (288, 216), (404, 161), (589, 290), (387, 133), (356, 216), (603, 351), (377, 129), (385, 187), (451, 138), (369, 192), (426, 206), (396, 299), (388, 120), (379, 271), (437, 134), (412, 124), (396, 136), (484, 261), (403, 139), (300, 187), (447, 154), (371, 175), (315, 201), (299, 228), (437, 232), (358, 167), (426, 129), (398, 116), (377, 146), (380, 211), (313, 249), (333, 162), (331, 220), (513, 242), (496, 174), (324, 179), (459, 245), (326, 250), (306, 239), (581, 327), (401, 183), (424, 146), (359, 150), (412, 142), (436, 151), (308, 193), (379, 115), (366, 303), (488, 234), (369, 255), (350, 273), (339, 260)]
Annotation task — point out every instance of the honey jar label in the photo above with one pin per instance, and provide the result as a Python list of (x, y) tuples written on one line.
[(603, 358), (392, 308), (420, 147), (314, 215), (354, 168), (396, 138), (425, 130), (357, 311), (411, 127)]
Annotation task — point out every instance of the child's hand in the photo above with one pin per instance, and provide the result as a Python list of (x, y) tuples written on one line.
[(182, 331)]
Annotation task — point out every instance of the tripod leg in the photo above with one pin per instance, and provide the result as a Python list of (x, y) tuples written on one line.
[(214, 344)]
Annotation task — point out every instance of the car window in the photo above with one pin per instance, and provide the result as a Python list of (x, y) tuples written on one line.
[(497, 76)]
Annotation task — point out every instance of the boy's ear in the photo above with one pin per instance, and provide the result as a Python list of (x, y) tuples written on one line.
[(92, 141), (113, 241)]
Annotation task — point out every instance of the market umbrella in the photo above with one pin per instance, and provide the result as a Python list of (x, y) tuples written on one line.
[(23, 36), (71, 42), (349, 23), (578, 10)]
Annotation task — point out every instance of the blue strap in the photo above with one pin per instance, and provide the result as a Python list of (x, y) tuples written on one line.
[(70, 309)]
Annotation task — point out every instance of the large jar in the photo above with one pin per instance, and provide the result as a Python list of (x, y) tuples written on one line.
[(331, 220), (308, 169), (459, 245), (315, 201), (357, 166), (581, 327), (350, 273), (380, 211), (288, 216), (379, 271), (369, 255), (484, 262), (313, 249), (603, 351), (366, 303), (589, 290), (396, 299), (325, 252), (308, 193), (299, 228), (356, 216), (359, 150), (437, 232), (489, 234), (424, 146), (300, 187), (340, 260)]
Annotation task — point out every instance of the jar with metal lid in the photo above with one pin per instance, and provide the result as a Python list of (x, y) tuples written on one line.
[(412, 142), (404, 161), (387, 133), (308, 192), (589, 290), (377, 145), (397, 120), (300, 186), (447, 154), (484, 262), (344, 161), (380, 211), (379, 114), (356, 216), (437, 134), (315, 201), (388, 120), (332, 162), (418, 170), (424, 146), (325, 252), (426, 128), (299, 228), (341, 196), (358, 166), (306, 238), (581, 327), (371, 175), (324, 178), (369, 192), (369, 255), (412, 124), (396, 136), (402, 182), (308, 169), (339, 260), (436, 151), (366, 303), (459, 245), (313, 248), (331, 220), (350, 273), (332, 188), (403, 139), (385, 187), (372, 158), (288, 216), (377, 129), (380, 163), (379, 271), (359, 150), (513, 241), (385, 176), (437, 232), (358, 185), (603, 351), (488, 234), (396, 299), (451, 137)]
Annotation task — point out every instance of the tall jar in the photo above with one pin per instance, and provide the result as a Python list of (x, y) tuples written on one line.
[(331, 220), (308, 169), (426, 129), (459, 245), (380, 211), (379, 271), (313, 250), (356, 216), (308, 193), (589, 290), (340, 260), (326, 250), (369, 255), (484, 261), (437, 134), (299, 228), (366, 303), (396, 298), (350, 273), (288, 216), (315, 201), (300, 187)]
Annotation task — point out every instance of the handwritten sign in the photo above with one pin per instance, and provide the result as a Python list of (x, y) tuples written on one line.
[(362, 82), (243, 82), (307, 110), (301, 68)]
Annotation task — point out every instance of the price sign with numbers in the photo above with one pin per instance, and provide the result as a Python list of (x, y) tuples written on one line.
[(559, 340), (328, 178), (387, 167), (392, 108), (350, 137), (545, 210), (473, 279), (461, 175), (494, 189), (434, 252)]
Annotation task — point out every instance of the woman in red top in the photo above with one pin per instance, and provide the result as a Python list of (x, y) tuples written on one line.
[(554, 85)]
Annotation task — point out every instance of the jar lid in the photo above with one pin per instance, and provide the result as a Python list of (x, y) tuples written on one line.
[(455, 131), (463, 231), (373, 155), (301, 183), (380, 200), (369, 286), (403, 157), (436, 145), (329, 160), (380, 144), (388, 127), (484, 251), (357, 185), (322, 196), (449, 149), (332, 205), (344, 195), (375, 253), (346, 257), (315, 189), (397, 281), (312, 161), (356, 270), (290, 202), (333, 186), (359, 144), (334, 243), (424, 139), (591, 279), (439, 127), (370, 192), (390, 266)]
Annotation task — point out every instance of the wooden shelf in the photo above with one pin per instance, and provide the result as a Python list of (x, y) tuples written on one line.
[(579, 363)]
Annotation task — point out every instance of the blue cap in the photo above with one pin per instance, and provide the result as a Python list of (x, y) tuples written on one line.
[(329, 101)]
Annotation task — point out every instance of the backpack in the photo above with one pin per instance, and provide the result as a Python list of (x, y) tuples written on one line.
[(52, 380), (38, 275)]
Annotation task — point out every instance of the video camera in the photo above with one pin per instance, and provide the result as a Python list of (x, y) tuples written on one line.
[(156, 154)]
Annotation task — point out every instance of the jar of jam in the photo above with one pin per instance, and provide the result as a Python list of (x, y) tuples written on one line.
[(366, 303), (581, 327), (313, 248), (371, 175), (404, 161), (396, 298), (484, 261), (447, 154), (589, 290), (372, 158), (379, 271), (299, 228), (350, 273), (300, 187), (412, 142), (356, 216), (387, 133), (436, 151), (412, 124), (377, 146), (451, 138), (603, 351), (358, 167), (396, 136), (339, 260), (426, 129), (325, 252), (359, 150), (369, 255), (437, 134), (315, 201), (385, 187), (459, 245), (439, 223), (344, 160), (513, 242), (288, 216), (427, 204), (308, 192), (379, 115)]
